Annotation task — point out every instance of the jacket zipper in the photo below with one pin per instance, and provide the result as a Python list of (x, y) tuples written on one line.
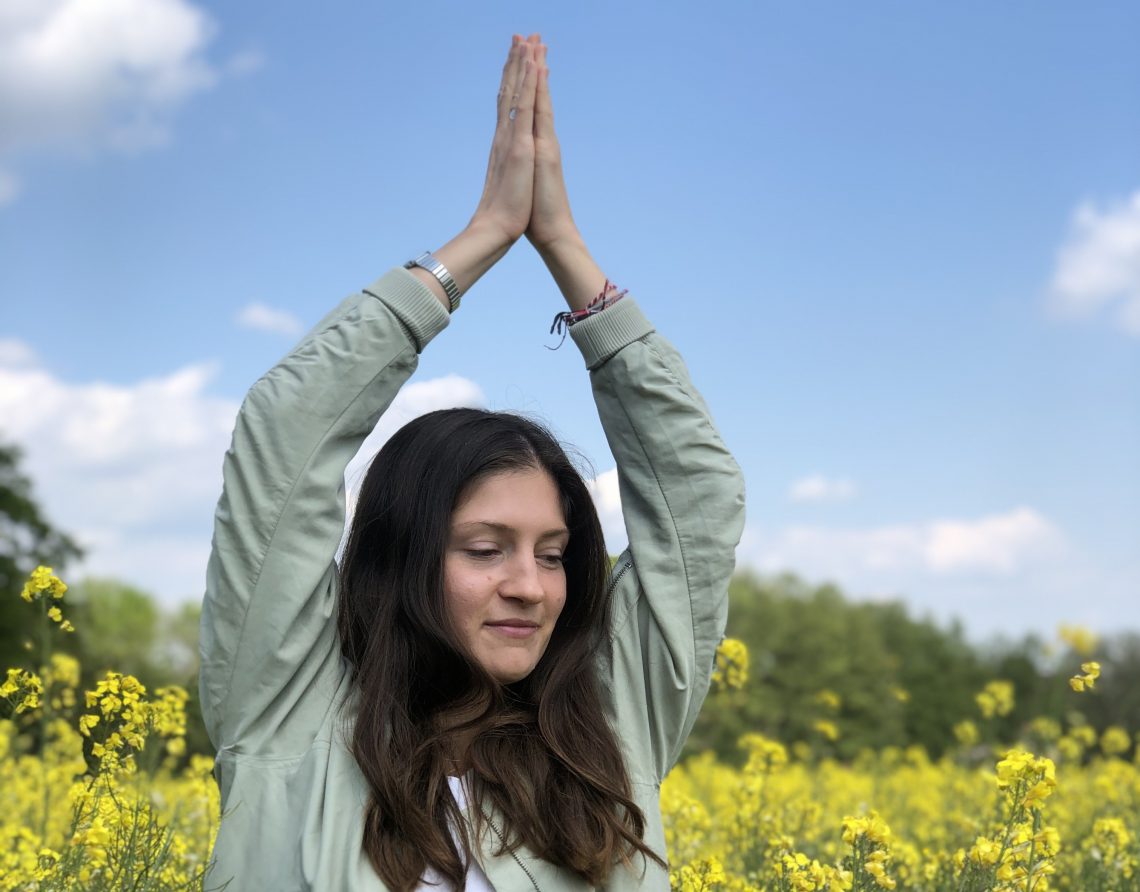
[(621, 573), (499, 834)]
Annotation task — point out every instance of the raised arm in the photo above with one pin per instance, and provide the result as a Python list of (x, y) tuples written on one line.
[(682, 493), (269, 651)]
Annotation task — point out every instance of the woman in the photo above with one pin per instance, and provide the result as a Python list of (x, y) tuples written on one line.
[(474, 698)]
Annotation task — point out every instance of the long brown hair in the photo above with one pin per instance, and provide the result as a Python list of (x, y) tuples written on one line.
[(541, 740)]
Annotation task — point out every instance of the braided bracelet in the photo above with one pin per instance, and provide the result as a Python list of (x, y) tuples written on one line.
[(568, 317)]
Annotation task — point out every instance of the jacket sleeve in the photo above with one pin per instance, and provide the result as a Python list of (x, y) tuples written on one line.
[(682, 497), (270, 656)]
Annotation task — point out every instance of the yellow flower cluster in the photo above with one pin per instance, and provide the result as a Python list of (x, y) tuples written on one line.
[(1087, 681), (109, 802), (67, 825), (995, 699), (43, 583), (966, 733), (23, 689), (731, 669), (1080, 639), (783, 825)]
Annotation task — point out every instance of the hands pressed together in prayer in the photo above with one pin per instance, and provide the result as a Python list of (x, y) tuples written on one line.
[(524, 192)]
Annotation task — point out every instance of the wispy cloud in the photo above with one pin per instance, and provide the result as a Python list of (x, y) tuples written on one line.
[(78, 77), (1005, 572), (261, 317), (134, 471), (1098, 267), (998, 544), (818, 488), (245, 62), (15, 354)]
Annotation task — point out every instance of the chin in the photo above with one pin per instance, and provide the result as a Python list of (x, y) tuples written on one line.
[(513, 677)]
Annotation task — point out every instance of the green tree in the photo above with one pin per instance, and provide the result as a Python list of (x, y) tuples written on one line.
[(27, 539), (803, 640)]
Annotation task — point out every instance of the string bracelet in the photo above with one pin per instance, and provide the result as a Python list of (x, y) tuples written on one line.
[(606, 298)]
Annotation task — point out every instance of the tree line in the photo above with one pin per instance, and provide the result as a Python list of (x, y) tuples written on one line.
[(834, 674)]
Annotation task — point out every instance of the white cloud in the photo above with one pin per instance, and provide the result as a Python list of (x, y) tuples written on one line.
[(1099, 265), (1002, 573), (265, 318), (245, 62), (999, 544), (818, 488), (607, 502), (131, 470), (134, 471), (15, 354), (414, 400), (79, 76)]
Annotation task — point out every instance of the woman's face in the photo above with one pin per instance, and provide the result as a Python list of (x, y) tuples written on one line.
[(504, 583)]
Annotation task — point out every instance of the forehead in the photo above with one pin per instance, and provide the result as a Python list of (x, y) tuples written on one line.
[(522, 498)]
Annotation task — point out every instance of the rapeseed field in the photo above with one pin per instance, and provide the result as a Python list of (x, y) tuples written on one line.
[(110, 800)]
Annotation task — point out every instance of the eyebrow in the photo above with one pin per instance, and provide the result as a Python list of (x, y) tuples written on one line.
[(504, 528)]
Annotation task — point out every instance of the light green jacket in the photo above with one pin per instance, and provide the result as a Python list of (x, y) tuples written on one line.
[(293, 798)]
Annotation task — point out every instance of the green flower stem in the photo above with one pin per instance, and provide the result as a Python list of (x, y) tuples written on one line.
[(1029, 883), (45, 705)]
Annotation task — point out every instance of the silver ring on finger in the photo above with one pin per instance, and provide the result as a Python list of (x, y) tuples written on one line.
[(514, 111)]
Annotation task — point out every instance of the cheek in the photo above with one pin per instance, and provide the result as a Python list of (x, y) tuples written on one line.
[(463, 591), (560, 600)]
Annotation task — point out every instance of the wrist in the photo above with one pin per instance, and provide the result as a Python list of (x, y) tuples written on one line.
[(579, 278), (561, 246), (488, 233), (467, 257)]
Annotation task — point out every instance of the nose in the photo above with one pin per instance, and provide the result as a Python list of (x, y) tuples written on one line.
[(522, 580)]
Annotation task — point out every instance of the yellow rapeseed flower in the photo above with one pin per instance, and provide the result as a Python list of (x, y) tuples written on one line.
[(966, 733), (1115, 741), (731, 669), (43, 581), (827, 729), (871, 826), (995, 699), (1080, 639), (1087, 681)]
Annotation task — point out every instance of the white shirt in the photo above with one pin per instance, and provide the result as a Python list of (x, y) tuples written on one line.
[(476, 880)]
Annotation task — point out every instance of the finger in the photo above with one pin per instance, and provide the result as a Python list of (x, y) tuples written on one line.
[(510, 73), (543, 109), (527, 46), (519, 72), (524, 117)]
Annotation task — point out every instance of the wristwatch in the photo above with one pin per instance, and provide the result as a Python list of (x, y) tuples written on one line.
[(428, 261)]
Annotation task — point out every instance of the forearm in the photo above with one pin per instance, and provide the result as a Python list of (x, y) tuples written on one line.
[(467, 257), (579, 278)]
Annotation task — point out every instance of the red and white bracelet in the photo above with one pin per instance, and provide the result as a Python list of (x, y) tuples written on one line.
[(607, 298)]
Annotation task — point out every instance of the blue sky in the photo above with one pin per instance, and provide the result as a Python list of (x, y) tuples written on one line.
[(898, 245)]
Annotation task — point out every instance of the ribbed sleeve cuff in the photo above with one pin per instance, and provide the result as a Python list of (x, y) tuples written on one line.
[(413, 303), (602, 335)]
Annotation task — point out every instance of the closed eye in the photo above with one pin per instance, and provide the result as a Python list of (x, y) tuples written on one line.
[(482, 554)]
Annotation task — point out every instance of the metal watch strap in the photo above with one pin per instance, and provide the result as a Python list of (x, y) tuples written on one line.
[(428, 261)]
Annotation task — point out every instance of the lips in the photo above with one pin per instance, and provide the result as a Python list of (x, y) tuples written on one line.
[(515, 629)]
